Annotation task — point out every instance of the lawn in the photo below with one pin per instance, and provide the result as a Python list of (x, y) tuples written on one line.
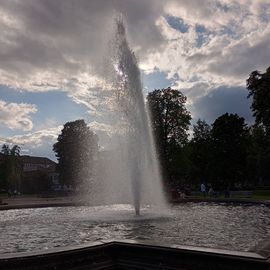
[(257, 195), (261, 195)]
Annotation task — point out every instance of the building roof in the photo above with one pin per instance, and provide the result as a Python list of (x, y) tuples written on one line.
[(31, 163), (37, 160), (42, 164)]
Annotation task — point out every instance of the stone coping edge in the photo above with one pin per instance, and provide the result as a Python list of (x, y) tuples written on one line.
[(134, 255), (195, 249)]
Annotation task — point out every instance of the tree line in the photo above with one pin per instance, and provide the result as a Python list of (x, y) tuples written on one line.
[(10, 168), (224, 153)]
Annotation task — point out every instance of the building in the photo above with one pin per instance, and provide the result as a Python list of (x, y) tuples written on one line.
[(31, 163), (39, 174), (34, 175)]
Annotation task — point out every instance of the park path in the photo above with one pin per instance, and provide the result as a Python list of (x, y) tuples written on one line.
[(19, 202)]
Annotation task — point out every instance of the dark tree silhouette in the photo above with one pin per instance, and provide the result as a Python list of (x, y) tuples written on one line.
[(229, 138), (170, 122), (200, 152), (76, 150), (11, 168), (201, 131), (258, 169), (258, 85)]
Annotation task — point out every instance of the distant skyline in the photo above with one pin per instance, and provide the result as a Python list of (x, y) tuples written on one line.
[(51, 54)]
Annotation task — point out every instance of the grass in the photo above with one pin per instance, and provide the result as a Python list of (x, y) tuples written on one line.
[(261, 195), (3, 194), (257, 195)]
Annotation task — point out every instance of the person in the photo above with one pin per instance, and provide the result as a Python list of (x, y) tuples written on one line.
[(211, 191), (227, 192), (203, 189), (9, 192)]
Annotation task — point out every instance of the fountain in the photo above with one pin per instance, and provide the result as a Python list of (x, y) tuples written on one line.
[(135, 177)]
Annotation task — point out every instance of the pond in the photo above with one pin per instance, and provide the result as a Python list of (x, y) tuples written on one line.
[(224, 226)]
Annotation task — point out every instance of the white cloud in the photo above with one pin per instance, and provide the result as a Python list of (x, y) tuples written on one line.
[(38, 143), (17, 115), (49, 45), (234, 42), (34, 139), (47, 123)]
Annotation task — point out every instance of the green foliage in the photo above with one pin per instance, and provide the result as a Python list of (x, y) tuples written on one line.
[(170, 123), (262, 193), (76, 150), (229, 140), (11, 168), (258, 85), (200, 152), (180, 165), (258, 156), (201, 131), (170, 118)]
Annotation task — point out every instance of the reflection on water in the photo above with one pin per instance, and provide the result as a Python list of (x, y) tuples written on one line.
[(235, 227)]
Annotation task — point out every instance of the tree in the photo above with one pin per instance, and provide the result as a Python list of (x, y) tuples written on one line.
[(201, 131), (258, 85), (11, 168), (76, 150), (200, 153), (170, 123), (258, 156), (229, 139)]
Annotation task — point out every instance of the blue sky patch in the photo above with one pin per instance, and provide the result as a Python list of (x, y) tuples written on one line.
[(177, 24), (202, 34), (50, 105), (155, 80)]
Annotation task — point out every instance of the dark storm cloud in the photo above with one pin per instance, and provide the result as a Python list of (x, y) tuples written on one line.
[(53, 41), (70, 35), (222, 100)]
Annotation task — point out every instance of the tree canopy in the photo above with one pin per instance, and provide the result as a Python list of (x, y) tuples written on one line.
[(200, 151), (76, 150), (170, 123), (201, 131), (258, 85), (229, 137), (170, 118), (258, 156), (11, 168)]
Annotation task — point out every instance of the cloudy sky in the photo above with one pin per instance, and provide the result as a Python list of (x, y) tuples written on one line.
[(51, 54)]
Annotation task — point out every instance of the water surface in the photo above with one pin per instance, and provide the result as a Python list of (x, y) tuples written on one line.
[(225, 226)]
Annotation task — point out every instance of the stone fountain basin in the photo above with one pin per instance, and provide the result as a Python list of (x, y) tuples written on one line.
[(136, 255), (225, 226)]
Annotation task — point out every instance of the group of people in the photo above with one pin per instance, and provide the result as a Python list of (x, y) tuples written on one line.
[(210, 192), (12, 192)]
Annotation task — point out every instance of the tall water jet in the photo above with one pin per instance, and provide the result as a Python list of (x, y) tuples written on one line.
[(133, 175)]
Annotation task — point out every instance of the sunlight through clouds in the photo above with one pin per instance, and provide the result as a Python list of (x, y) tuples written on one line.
[(60, 46)]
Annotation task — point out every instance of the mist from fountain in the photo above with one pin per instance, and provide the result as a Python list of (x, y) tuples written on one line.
[(130, 169)]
